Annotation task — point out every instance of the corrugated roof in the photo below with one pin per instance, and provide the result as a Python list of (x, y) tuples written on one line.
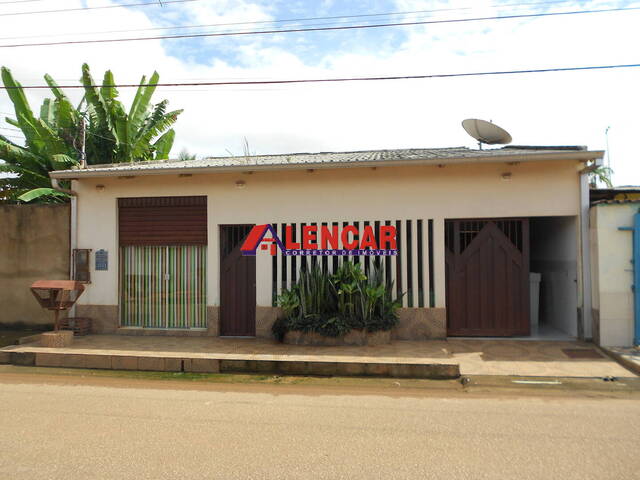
[(396, 157), (616, 202)]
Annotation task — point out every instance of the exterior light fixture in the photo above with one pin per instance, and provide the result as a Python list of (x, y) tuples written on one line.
[(240, 184), (100, 188), (506, 176)]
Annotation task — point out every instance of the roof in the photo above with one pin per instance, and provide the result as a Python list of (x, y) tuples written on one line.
[(616, 202), (615, 195), (367, 158)]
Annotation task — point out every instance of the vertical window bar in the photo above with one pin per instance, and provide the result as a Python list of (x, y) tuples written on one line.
[(432, 291), (314, 259), (335, 258), (420, 265), (399, 259), (387, 261), (366, 257), (294, 260), (347, 258), (283, 233), (376, 232), (408, 230), (356, 259), (325, 260), (303, 259), (274, 272)]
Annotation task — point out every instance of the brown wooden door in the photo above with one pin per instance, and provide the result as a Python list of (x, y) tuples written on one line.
[(487, 277), (237, 284)]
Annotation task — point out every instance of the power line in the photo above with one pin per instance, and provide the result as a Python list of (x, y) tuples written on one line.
[(20, 1), (164, 2), (307, 19), (346, 79), (322, 29)]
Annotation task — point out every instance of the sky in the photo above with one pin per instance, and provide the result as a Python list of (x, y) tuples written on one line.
[(568, 108)]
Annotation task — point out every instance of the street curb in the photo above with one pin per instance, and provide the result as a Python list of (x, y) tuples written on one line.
[(212, 363), (622, 360)]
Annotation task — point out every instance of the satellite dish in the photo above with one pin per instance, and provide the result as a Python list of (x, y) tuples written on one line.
[(486, 132)]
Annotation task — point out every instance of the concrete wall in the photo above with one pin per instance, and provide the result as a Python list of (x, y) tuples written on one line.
[(612, 273), (554, 254), (425, 192), (34, 245)]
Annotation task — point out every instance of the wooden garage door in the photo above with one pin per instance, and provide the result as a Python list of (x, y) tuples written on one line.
[(487, 270)]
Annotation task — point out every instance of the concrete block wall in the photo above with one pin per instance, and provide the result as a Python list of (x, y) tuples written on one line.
[(34, 245)]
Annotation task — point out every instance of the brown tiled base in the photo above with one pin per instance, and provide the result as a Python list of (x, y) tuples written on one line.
[(201, 364), (212, 365)]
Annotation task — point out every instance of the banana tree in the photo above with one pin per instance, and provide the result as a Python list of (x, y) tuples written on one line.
[(114, 135), (50, 144), (53, 140)]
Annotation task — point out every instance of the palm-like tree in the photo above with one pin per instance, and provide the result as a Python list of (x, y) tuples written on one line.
[(116, 136), (53, 139), (50, 144)]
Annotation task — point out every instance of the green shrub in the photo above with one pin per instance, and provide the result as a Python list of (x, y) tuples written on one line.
[(334, 304)]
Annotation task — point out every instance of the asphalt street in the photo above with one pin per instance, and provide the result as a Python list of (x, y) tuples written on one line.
[(51, 431)]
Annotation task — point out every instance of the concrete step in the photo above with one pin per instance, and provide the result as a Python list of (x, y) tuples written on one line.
[(221, 363)]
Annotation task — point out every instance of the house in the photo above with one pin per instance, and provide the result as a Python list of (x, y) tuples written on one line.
[(465, 229), (615, 255)]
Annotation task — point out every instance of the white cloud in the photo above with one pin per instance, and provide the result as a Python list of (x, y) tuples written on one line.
[(554, 108)]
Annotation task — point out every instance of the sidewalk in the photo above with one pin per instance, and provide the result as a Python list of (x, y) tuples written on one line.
[(627, 356), (431, 359)]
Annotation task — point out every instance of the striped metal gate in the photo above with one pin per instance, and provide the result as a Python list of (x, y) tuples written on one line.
[(163, 286)]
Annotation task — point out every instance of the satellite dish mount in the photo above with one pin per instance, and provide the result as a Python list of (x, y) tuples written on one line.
[(486, 132)]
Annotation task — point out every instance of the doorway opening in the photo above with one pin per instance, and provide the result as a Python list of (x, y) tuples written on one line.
[(554, 258)]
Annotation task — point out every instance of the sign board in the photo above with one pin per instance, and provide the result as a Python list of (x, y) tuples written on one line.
[(102, 260)]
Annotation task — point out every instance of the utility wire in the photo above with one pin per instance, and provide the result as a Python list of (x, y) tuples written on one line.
[(322, 29), (21, 1), (291, 20), (164, 2), (344, 79)]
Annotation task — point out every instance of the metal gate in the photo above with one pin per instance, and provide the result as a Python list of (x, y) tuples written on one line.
[(487, 274), (163, 286)]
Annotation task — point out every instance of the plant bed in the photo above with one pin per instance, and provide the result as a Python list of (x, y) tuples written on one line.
[(354, 337), (347, 307)]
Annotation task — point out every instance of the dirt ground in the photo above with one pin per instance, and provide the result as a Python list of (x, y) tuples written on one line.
[(63, 426)]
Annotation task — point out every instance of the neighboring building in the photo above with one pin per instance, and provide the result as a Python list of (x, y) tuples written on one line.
[(612, 221), (471, 225)]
